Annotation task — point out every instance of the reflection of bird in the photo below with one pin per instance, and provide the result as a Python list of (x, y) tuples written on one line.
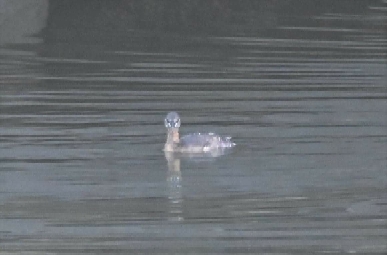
[(196, 142), (174, 181)]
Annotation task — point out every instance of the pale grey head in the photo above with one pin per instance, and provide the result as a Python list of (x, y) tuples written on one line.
[(191, 143), (172, 120)]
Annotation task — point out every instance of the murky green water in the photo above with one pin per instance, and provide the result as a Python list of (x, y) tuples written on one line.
[(81, 138)]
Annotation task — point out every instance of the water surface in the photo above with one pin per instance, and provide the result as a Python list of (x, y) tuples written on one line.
[(81, 132)]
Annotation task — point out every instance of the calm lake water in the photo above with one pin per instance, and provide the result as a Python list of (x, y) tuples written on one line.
[(81, 137)]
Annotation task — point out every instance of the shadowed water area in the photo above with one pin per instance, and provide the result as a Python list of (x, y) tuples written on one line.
[(82, 131)]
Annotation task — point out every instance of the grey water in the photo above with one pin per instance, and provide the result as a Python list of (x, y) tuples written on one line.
[(81, 137)]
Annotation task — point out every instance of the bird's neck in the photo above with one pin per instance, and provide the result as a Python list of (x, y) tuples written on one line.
[(173, 139)]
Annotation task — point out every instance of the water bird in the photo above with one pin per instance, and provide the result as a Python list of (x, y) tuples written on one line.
[(192, 143)]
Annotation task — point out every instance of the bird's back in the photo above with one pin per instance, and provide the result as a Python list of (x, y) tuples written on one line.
[(204, 142)]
